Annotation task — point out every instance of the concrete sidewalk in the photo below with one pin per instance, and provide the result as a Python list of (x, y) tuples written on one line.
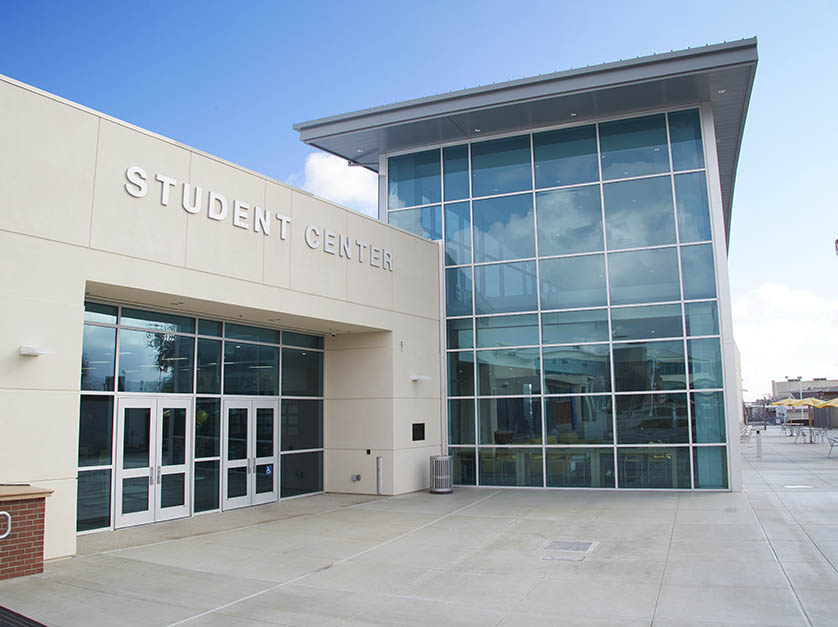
[(766, 556)]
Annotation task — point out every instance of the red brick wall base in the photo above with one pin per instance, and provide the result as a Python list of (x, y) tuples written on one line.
[(22, 551)]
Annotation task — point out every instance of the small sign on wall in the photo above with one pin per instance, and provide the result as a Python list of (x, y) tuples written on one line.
[(418, 431)]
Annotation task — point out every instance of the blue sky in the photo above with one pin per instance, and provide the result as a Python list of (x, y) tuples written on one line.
[(231, 78)]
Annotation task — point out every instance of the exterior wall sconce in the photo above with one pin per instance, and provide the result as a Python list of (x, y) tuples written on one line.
[(30, 350), (419, 377)]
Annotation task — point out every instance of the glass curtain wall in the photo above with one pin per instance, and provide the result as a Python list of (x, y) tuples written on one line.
[(127, 350), (583, 344)]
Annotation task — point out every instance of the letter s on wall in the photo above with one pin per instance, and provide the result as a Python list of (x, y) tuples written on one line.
[(136, 176)]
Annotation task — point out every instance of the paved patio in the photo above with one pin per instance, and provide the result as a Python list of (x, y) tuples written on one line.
[(767, 556)]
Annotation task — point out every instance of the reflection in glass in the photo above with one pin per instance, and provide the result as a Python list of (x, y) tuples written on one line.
[(652, 419), (461, 421), (711, 467), (643, 366), (156, 321), (505, 287), (236, 433), (455, 172), (573, 282), (465, 472), (503, 228), (135, 437), (508, 371), (693, 208), (264, 478), (649, 322), (414, 179), (155, 362), (207, 427), (206, 486), (501, 166), (93, 500), (639, 213), (708, 410), (173, 490), (458, 292), (425, 221), (654, 467), (507, 331), (461, 374), (510, 420), (634, 147), (565, 157), (579, 420), (461, 333), (173, 436), (301, 473), (580, 467), (94, 312), (569, 221), (302, 373), (577, 369), (265, 432), (209, 327), (250, 334), (699, 274), (97, 358), (236, 482), (705, 358), (135, 495), (685, 135), (208, 379), (95, 430), (644, 276), (511, 467), (302, 424), (303, 340), (702, 318), (457, 234), (250, 369), (574, 326)]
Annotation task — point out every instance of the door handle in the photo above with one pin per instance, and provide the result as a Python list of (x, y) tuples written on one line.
[(159, 474), (151, 476)]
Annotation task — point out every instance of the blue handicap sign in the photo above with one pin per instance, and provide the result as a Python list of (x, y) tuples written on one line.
[(269, 470)]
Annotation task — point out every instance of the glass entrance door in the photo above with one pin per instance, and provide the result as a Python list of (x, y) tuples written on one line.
[(249, 451), (152, 474)]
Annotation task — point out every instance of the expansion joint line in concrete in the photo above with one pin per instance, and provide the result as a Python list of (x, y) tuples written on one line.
[(666, 560), (333, 564)]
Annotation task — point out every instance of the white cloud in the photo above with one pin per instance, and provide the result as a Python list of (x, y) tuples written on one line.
[(331, 178), (783, 332)]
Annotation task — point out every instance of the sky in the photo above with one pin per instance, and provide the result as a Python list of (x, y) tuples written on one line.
[(231, 78)]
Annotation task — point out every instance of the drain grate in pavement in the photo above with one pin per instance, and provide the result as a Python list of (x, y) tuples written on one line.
[(799, 487), (565, 545), (563, 558)]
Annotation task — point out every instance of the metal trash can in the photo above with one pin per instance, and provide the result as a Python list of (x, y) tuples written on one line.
[(442, 480)]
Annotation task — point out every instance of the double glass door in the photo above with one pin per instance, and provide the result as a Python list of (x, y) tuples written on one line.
[(249, 452), (153, 474)]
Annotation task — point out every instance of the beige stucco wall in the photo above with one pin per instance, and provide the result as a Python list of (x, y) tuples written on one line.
[(70, 230)]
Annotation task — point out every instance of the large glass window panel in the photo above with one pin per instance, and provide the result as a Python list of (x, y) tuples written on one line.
[(207, 427), (577, 369), (97, 358), (206, 486), (94, 312), (302, 424), (505, 287), (507, 331), (208, 379), (303, 340), (660, 467), (646, 366), (565, 327), (458, 291), (461, 421), (652, 419), (711, 467), (465, 468), (455, 172), (155, 362), (647, 323), (565, 157), (457, 234), (511, 467), (237, 424), (571, 282), (209, 327), (250, 369), (302, 372), (708, 410), (95, 430), (580, 467), (504, 228), (705, 357), (250, 334), (702, 318), (414, 179), (424, 221), (461, 374), (578, 420), (156, 321), (136, 437), (93, 500), (644, 276), (509, 371), (569, 221), (634, 147), (173, 436), (265, 418), (301, 473), (510, 420), (685, 135), (699, 272), (639, 213), (501, 166), (461, 333), (693, 208)]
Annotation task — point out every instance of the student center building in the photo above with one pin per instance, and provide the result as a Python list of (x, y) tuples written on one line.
[(544, 297)]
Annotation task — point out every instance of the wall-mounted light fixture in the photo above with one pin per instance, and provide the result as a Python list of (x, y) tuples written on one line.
[(419, 377), (30, 350)]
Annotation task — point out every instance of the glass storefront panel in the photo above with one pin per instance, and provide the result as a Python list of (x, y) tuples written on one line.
[(501, 166), (569, 221), (302, 372), (705, 358), (209, 327), (155, 362), (565, 157), (685, 135), (156, 321), (698, 270), (300, 473), (458, 291), (460, 333), (652, 419), (580, 467), (658, 467), (577, 369), (574, 326), (455, 172), (711, 467), (94, 312), (572, 282), (650, 366), (511, 466), (457, 234), (519, 330), (465, 468), (578, 420), (208, 379), (461, 374), (206, 485), (647, 323), (634, 147), (95, 430), (302, 424), (247, 333), (461, 421), (93, 500), (303, 340), (644, 276), (414, 179), (510, 420), (97, 358), (136, 437), (504, 228), (509, 371), (505, 288), (424, 221), (250, 369), (639, 213), (693, 207), (702, 318), (708, 410), (207, 427)]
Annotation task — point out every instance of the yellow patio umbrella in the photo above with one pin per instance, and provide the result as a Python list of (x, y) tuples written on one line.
[(785, 401), (832, 403), (809, 402)]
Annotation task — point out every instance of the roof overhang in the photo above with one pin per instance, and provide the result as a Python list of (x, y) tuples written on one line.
[(721, 75)]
